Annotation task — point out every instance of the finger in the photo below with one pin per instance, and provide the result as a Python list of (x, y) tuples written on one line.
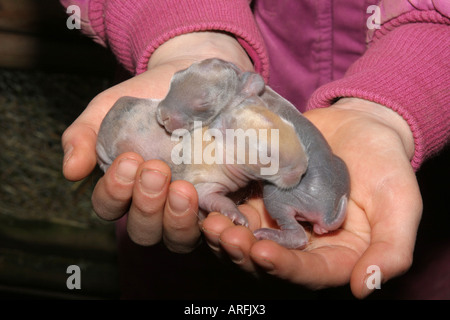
[(181, 232), (229, 240), (78, 143), (396, 215), (149, 195), (80, 138), (320, 268), (215, 224), (237, 242), (112, 194)]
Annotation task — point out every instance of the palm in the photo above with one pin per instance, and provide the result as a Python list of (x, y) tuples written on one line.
[(382, 218)]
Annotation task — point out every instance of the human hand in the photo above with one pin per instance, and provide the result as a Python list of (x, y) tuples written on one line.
[(383, 212), (157, 209)]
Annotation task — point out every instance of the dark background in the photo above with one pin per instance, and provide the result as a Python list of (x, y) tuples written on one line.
[(48, 74)]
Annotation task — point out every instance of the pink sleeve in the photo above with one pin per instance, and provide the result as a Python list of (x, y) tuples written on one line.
[(133, 30), (406, 68)]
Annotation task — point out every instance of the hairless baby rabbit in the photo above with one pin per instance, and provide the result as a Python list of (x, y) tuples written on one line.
[(322, 194), (131, 125)]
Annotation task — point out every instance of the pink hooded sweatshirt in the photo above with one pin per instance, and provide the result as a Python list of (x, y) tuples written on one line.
[(311, 52)]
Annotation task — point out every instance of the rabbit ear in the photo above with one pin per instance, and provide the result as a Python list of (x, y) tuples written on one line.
[(251, 84)]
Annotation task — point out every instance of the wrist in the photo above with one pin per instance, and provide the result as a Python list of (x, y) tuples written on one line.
[(181, 51), (388, 117)]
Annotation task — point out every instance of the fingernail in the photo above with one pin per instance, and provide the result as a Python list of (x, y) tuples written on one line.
[(152, 181), (237, 256), (126, 170), (266, 264), (213, 244), (179, 203), (67, 154), (234, 252)]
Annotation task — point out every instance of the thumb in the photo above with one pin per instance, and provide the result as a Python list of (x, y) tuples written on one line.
[(80, 138), (78, 142), (394, 227)]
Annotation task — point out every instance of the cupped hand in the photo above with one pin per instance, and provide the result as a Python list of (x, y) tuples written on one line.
[(383, 212), (157, 209)]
